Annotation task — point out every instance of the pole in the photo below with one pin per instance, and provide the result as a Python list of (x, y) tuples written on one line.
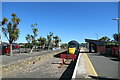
[(118, 37), (118, 29)]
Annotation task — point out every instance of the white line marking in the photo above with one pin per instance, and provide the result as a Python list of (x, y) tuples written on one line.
[(76, 67)]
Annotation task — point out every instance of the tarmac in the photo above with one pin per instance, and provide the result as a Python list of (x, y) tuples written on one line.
[(106, 66), (94, 66)]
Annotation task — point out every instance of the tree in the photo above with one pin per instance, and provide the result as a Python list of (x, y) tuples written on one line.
[(56, 40), (10, 29), (29, 39), (49, 39), (115, 36), (33, 37), (106, 39), (42, 42), (63, 46)]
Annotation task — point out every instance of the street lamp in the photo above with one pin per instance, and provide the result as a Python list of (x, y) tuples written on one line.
[(118, 33)]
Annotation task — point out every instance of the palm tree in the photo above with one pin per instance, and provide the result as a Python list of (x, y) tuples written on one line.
[(10, 29), (49, 39), (42, 42), (57, 40)]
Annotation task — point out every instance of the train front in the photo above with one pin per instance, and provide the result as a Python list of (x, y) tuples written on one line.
[(73, 47)]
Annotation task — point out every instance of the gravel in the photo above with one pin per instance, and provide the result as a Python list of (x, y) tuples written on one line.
[(46, 68)]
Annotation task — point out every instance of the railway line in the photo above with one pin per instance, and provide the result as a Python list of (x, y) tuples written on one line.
[(46, 68)]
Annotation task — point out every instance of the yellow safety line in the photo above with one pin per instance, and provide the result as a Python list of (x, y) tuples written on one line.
[(95, 74)]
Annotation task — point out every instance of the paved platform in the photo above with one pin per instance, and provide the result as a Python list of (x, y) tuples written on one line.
[(85, 68), (105, 66), (81, 70), (95, 66)]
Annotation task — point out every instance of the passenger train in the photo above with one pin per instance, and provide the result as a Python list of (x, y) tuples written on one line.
[(73, 47)]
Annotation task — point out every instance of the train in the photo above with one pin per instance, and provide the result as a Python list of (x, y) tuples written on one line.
[(73, 47), (72, 52)]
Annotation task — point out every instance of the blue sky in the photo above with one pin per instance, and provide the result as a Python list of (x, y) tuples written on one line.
[(68, 20)]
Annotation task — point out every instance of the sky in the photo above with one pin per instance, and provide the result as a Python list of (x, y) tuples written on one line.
[(68, 20), (60, 0)]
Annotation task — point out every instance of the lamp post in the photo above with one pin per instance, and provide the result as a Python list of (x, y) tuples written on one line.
[(118, 35)]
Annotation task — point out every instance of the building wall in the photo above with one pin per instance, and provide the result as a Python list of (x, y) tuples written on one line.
[(109, 51), (101, 49)]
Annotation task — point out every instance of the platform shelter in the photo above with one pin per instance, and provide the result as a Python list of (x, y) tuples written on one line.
[(96, 46)]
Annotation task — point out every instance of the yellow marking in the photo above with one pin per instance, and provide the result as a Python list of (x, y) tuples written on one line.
[(93, 69), (71, 50)]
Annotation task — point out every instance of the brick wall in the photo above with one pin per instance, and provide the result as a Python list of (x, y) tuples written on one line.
[(101, 49)]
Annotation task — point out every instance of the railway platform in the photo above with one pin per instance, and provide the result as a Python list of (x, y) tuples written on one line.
[(92, 66)]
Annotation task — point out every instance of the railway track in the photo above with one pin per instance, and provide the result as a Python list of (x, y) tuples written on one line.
[(48, 67), (45, 68)]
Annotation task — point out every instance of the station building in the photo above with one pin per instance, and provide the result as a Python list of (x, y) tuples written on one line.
[(96, 46)]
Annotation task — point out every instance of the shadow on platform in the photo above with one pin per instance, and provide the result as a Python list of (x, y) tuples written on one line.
[(111, 57), (102, 78)]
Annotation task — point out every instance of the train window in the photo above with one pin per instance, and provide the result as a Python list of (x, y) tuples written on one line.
[(72, 46)]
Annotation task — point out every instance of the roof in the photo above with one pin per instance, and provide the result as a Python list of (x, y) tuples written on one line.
[(97, 42), (73, 41)]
